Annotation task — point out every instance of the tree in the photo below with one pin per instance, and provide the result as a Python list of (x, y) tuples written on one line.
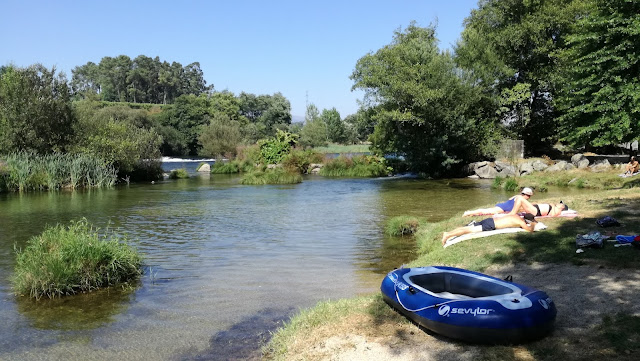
[(510, 42), (35, 110), (119, 135), (267, 110), (188, 115), (314, 131), (221, 137), (601, 98), (425, 109), (336, 131)]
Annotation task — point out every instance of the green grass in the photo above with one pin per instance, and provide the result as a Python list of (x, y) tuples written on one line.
[(271, 176), (402, 225), (67, 260), (180, 173), (358, 167), (341, 148)]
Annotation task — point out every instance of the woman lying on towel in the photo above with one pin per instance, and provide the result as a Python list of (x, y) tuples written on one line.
[(511, 206), (491, 224), (543, 209)]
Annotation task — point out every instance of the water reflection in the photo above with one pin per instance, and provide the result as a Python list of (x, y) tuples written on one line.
[(85, 311)]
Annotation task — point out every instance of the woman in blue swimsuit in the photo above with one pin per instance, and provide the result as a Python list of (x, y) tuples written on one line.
[(509, 206)]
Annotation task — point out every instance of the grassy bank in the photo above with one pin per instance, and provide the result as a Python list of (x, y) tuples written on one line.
[(313, 334), (271, 176), (67, 260)]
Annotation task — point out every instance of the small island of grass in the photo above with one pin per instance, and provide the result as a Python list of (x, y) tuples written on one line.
[(68, 260)]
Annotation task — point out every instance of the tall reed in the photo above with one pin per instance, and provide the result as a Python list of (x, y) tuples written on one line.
[(29, 171)]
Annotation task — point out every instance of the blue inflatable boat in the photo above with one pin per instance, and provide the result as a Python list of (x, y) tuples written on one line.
[(469, 306)]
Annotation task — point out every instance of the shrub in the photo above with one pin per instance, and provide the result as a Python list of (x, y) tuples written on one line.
[(220, 167), (360, 166), (511, 184), (300, 160), (179, 173), (66, 260), (271, 176), (402, 225), (273, 150)]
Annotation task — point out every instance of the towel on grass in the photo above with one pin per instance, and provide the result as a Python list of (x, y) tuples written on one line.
[(570, 213), (624, 175), (539, 226)]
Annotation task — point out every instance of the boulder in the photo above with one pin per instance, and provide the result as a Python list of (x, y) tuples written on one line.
[(508, 171), (487, 172), (205, 167), (602, 166), (539, 165), (561, 165), (583, 163), (526, 168), (577, 158)]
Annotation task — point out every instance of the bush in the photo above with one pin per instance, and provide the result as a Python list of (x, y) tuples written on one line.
[(299, 160), (271, 176), (220, 167), (180, 173), (360, 166), (402, 225), (66, 260)]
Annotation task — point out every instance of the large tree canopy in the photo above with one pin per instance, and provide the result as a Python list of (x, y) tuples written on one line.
[(511, 47), (425, 109), (35, 110), (141, 80), (601, 97)]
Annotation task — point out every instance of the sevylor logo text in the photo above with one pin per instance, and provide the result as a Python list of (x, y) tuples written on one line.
[(445, 310)]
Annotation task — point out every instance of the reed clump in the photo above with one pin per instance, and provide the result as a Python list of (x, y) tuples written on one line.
[(271, 176), (402, 226), (76, 258), (360, 166), (25, 171), (180, 173)]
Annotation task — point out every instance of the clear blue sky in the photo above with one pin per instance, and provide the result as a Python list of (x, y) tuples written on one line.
[(301, 48)]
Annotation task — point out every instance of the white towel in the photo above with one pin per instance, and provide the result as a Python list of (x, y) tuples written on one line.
[(539, 226)]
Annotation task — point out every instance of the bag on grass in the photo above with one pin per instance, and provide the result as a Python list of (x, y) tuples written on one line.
[(592, 239), (607, 221)]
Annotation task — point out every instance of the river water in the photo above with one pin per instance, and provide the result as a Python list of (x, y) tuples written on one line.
[(225, 263)]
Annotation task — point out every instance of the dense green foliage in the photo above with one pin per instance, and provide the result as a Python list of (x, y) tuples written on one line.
[(601, 97), (141, 80), (117, 134), (180, 173), (271, 176), (359, 166), (27, 171), (402, 226), (425, 110), (66, 260), (512, 47), (273, 150), (35, 110)]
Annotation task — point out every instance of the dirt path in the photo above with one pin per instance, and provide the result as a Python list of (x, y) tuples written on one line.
[(602, 291)]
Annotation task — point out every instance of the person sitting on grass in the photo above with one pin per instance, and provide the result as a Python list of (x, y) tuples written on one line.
[(510, 206), (491, 224), (632, 167)]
